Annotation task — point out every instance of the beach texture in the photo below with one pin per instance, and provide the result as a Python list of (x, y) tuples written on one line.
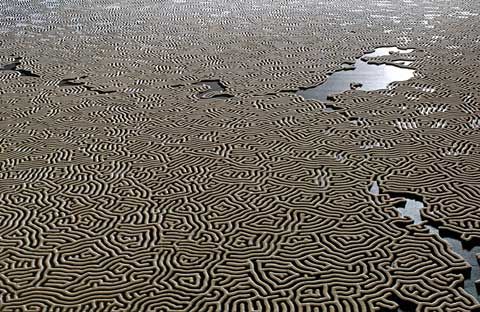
[(125, 186)]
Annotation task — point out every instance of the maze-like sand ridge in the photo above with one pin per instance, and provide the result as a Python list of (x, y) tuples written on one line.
[(153, 198)]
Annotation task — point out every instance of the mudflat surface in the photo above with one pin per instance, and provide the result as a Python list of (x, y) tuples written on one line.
[(155, 156)]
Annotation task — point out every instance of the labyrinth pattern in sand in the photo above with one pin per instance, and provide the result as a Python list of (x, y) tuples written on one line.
[(125, 185)]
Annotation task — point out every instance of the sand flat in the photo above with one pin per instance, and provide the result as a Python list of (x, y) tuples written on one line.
[(155, 156)]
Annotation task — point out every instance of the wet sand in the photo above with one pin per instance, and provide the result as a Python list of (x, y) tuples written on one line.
[(191, 156)]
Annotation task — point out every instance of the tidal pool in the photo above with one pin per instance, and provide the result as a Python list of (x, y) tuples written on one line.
[(362, 75), (410, 208)]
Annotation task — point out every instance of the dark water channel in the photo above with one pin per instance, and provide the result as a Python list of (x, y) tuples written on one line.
[(363, 75), (410, 208)]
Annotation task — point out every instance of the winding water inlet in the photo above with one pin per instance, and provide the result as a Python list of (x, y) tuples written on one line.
[(411, 208)]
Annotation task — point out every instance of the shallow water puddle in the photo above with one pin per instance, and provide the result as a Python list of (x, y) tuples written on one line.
[(362, 75), (215, 90), (13, 67), (73, 82), (382, 51), (410, 208)]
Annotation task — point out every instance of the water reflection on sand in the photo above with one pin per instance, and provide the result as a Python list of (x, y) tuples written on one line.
[(363, 75)]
